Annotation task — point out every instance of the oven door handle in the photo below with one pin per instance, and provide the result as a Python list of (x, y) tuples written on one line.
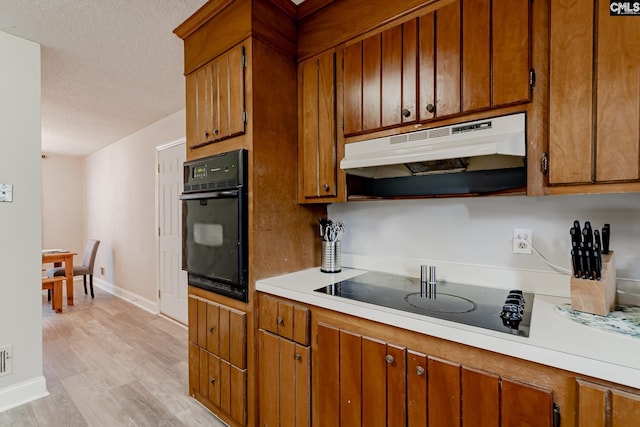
[(210, 195)]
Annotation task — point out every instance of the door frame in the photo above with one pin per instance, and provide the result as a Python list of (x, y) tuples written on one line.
[(160, 148)]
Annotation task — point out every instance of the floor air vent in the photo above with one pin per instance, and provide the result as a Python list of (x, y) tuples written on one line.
[(6, 360)]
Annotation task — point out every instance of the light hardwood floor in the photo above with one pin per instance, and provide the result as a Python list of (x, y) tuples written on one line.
[(110, 363)]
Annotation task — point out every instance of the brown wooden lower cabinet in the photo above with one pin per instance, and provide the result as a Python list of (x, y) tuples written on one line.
[(285, 390), (600, 405), (219, 385), (364, 381), (217, 359)]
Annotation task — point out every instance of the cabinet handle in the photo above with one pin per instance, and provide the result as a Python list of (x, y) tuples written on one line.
[(280, 320), (298, 356), (211, 329), (389, 358), (325, 187), (406, 112), (544, 163), (212, 380), (431, 108), (419, 370)]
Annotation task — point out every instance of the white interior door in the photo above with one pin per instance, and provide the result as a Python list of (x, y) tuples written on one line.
[(172, 280)]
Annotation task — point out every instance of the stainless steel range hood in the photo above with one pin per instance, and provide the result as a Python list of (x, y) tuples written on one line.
[(480, 156)]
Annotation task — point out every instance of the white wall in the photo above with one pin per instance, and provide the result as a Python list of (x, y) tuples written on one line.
[(120, 182), (479, 230), (63, 203), (20, 221)]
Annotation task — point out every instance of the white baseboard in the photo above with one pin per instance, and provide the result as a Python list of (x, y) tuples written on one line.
[(24, 392), (135, 299)]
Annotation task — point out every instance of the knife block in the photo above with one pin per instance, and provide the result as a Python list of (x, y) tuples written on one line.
[(596, 296)]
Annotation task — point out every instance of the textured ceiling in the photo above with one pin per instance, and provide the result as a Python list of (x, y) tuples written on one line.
[(109, 67)]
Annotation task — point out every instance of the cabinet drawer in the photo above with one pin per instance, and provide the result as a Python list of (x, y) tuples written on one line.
[(218, 329), (285, 319)]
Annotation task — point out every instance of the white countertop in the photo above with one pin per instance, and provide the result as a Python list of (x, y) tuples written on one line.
[(554, 340)]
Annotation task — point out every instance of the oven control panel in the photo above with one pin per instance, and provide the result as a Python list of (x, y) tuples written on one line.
[(220, 172)]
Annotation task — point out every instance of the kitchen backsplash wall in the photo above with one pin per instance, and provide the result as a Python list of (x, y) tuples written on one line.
[(480, 230)]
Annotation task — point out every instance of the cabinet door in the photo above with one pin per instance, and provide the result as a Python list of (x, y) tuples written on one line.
[(194, 369), (328, 376), (380, 80), (444, 393), (233, 92), (238, 338), (374, 381), (592, 401), (523, 405), (302, 385), (480, 399), (594, 127), (269, 379), (285, 376), (427, 66), (598, 403), (350, 379), (625, 408), (317, 161), (618, 97), (215, 99), (416, 389), (448, 59), (213, 379), (269, 313), (238, 381), (398, 74), (570, 84), (301, 324), (476, 55), (510, 51)]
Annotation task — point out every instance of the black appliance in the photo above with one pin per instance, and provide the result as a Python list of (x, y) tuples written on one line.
[(215, 224), (500, 310)]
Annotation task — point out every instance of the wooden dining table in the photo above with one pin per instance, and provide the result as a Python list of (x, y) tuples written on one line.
[(59, 257)]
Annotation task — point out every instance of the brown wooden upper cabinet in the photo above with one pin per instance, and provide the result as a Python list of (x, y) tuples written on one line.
[(463, 57), (594, 125), (215, 99), (317, 148)]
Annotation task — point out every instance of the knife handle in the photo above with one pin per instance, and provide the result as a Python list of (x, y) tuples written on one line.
[(606, 230), (574, 264), (582, 262)]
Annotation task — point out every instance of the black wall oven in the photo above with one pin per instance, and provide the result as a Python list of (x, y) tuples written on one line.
[(215, 223)]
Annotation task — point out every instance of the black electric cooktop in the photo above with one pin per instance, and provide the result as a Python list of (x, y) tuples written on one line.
[(502, 310)]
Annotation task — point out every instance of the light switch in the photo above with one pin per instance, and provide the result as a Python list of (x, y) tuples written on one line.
[(6, 192)]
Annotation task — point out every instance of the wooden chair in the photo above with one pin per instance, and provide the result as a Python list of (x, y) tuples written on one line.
[(54, 286), (83, 270)]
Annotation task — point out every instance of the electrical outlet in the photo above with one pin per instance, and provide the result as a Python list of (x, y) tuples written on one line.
[(6, 360), (522, 240), (102, 271)]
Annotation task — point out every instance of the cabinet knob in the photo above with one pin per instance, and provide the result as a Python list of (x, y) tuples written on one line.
[(431, 108), (406, 112), (298, 356), (206, 134), (280, 320), (215, 131), (389, 358), (419, 370), (211, 329), (325, 187), (212, 380)]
